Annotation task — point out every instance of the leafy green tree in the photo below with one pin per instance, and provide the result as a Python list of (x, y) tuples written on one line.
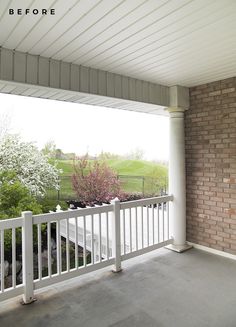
[(15, 197), (50, 149), (136, 154), (59, 154), (108, 155)]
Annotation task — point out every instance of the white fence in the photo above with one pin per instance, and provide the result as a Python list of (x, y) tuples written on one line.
[(107, 234)]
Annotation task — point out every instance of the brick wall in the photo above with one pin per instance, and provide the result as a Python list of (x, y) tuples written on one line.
[(210, 131)]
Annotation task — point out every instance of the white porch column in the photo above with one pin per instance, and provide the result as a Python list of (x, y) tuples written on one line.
[(177, 183)]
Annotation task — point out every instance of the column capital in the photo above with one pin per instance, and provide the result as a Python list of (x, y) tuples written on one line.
[(177, 112), (179, 97), (175, 109)]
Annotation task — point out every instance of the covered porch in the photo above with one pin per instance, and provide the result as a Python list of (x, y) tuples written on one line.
[(173, 58)]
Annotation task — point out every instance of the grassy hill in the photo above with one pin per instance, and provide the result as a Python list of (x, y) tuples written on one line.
[(136, 176), (138, 168), (124, 167)]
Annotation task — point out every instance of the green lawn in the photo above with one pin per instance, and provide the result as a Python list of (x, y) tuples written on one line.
[(124, 167), (66, 166), (137, 168), (136, 176)]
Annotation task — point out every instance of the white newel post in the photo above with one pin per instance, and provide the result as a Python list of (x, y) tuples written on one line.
[(177, 183), (116, 248), (27, 257)]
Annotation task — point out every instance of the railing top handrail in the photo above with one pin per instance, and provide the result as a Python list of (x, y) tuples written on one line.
[(148, 201), (11, 223), (56, 216)]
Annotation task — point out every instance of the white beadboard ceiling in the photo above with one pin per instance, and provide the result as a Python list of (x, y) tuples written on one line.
[(170, 42)]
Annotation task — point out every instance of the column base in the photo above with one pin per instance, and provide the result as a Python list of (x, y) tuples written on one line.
[(116, 271), (179, 248), (29, 302)]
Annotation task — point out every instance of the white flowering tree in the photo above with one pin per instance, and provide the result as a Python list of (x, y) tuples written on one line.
[(31, 166), (5, 122)]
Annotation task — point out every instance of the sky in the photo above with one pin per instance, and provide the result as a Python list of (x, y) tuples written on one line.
[(84, 128)]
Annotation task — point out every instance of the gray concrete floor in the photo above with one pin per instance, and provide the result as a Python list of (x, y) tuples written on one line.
[(160, 289)]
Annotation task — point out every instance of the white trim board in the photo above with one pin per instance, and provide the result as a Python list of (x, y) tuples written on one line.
[(213, 251)]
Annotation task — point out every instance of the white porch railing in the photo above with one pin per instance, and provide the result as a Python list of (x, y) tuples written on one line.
[(111, 233)]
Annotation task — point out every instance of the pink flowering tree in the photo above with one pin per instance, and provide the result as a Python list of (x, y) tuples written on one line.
[(95, 182)]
